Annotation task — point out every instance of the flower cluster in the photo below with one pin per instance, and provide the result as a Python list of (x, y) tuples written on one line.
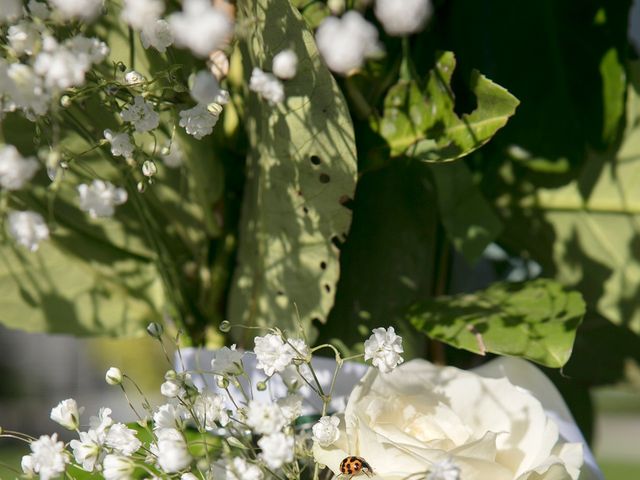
[(246, 432), (415, 421), (347, 42), (52, 69)]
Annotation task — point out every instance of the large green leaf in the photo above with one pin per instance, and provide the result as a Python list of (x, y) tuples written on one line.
[(535, 320), (77, 284), (590, 241), (390, 259), (426, 126), (467, 216), (565, 61), (300, 170)]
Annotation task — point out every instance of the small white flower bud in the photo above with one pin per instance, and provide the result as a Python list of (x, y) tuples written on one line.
[(155, 330), (336, 6), (285, 64), (222, 382), (149, 168), (170, 389), (65, 101), (132, 77), (113, 376), (225, 326), (67, 414)]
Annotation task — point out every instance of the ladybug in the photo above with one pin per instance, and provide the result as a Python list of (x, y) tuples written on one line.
[(354, 465)]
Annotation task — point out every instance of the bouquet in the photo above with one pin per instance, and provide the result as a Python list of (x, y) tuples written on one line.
[(314, 169), (410, 420)]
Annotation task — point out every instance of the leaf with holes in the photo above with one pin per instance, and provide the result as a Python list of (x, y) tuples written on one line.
[(535, 320), (301, 168), (426, 127)]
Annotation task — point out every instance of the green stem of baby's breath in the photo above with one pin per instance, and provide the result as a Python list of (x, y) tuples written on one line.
[(132, 50), (405, 66), (353, 357)]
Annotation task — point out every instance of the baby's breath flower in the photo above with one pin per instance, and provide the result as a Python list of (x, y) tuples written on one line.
[(26, 91), (209, 408), (10, 10), (140, 13), (24, 38), (64, 66), (346, 42), (285, 64), (291, 407), (200, 27), (403, 17), (157, 35), (121, 145), (265, 418), (27, 460), (28, 229), (383, 348), (80, 9), (444, 470), (267, 86), (48, 457), (100, 198), (171, 450), (117, 467), (88, 449), (15, 170), (171, 388), (169, 416), (141, 114), (172, 155), (102, 421), (38, 9), (237, 469), (198, 121), (227, 361), (326, 431), (67, 414), (122, 439), (272, 354), (277, 449), (205, 88)]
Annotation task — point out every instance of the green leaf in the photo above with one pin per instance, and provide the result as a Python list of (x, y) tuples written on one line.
[(301, 168), (77, 284), (467, 216), (389, 261), (426, 126), (556, 57), (536, 320), (586, 232), (406, 116)]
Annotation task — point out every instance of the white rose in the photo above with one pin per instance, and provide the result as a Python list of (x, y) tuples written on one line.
[(421, 417)]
